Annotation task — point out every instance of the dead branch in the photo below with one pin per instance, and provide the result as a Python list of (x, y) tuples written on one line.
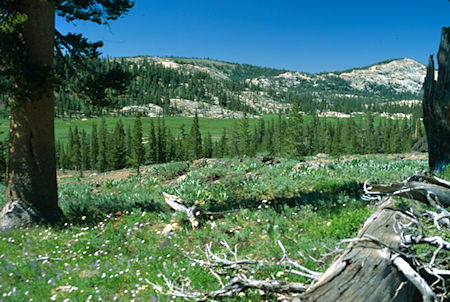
[(380, 263), (193, 214)]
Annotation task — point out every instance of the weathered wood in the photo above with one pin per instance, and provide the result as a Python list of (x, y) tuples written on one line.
[(365, 271), (416, 190), (436, 106), (378, 264)]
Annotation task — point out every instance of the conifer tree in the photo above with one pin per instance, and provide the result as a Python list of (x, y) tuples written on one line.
[(137, 147), (234, 140), (152, 144), (245, 136), (76, 149), (116, 155), (195, 139), (269, 138), (27, 46), (386, 142), (93, 148), (207, 146), (293, 140), (279, 134), (84, 146), (70, 161), (171, 148), (222, 147), (102, 147), (371, 139), (161, 140), (128, 138)]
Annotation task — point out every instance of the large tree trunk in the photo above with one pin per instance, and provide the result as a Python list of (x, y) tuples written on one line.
[(31, 194), (436, 107)]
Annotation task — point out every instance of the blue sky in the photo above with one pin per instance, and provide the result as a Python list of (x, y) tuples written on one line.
[(309, 36)]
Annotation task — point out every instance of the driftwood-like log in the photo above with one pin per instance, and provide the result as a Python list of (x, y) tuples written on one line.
[(379, 264), (193, 214), (365, 272), (436, 106)]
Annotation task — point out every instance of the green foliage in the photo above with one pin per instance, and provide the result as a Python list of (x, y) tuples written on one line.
[(113, 239), (137, 147), (195, 140)]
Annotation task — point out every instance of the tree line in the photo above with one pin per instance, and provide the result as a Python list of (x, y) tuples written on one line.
[(291, 136)]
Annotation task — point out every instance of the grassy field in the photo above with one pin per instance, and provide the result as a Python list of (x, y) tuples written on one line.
[(213, 125), (112, 245)]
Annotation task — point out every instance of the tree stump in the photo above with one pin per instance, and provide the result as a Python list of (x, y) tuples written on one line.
[(436, 107)]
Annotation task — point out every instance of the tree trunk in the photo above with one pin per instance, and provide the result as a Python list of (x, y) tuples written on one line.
[(365, 271), (436, 107), (31, 194)]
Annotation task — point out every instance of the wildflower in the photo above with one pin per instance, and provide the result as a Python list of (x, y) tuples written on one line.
[(83, 217)]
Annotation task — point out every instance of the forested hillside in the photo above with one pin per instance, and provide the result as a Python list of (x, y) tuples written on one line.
[(182, 86)]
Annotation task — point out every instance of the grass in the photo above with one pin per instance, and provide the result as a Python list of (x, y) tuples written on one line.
[(112, 242), (214, 126)]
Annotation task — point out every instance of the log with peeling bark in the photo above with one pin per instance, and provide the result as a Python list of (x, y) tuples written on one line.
[(365, 272), (376, 265), (379, 264)]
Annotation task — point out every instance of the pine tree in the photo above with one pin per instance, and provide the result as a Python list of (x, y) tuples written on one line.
[(93, 148), (161, 140), (137, 147), (84, 146), (370, 135), (386, 142), (76, 149), (27, 46), (234, 141), (128, 138), (222, 148), (171, 147), (102, 147), (116, 155), (70, 153), (245, 137), (207, 146), (279, 134), (152, 144), (293, 140), (195, 139)]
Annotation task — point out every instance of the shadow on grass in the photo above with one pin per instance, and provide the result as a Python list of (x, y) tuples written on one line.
[(317, 198)]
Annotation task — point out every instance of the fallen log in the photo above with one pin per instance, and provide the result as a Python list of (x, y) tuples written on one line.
[(364, 272), (379, 264)]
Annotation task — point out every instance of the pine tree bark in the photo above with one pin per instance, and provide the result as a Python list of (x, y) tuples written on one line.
[(31, 194), (436, 107)]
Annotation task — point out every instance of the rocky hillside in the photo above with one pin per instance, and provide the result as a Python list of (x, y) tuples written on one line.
[(386, 82), (183, 86)]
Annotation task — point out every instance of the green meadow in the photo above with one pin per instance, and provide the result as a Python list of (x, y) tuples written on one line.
[(112, 247)]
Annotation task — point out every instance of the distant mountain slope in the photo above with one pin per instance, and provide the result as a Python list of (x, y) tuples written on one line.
[(402, 75), (183, 86), (398, 79)]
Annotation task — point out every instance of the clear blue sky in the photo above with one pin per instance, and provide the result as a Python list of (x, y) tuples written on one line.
[(301, 35)]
